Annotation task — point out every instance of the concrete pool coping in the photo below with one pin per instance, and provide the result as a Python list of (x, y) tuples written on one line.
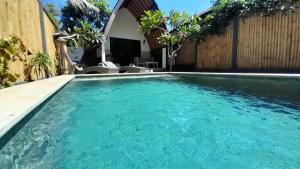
[(18, 101), (276, 75)]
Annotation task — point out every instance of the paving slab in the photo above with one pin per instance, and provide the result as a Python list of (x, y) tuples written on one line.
[(17, 101)]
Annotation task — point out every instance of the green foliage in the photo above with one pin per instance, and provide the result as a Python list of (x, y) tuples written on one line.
[(181, 26), (87, 36), (265, 7), (87, 25), (53, 13), (11, 49), (219, 16), (72, 18), (194, 28), (41, 63), (51, 8), (151, 20), (178, 20)]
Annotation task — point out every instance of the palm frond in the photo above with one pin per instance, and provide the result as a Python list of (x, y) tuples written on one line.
[(82, 5)]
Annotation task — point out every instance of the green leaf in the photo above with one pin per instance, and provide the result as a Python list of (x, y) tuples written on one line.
[(11, 77)]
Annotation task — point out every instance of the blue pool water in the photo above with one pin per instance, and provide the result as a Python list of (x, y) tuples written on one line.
[(175, 122)]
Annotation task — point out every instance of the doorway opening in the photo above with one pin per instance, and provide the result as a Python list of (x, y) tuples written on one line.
[(124, 50)]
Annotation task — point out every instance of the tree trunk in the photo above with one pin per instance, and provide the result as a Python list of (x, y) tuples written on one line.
[(172, 61), (170, 51), (171, 66)]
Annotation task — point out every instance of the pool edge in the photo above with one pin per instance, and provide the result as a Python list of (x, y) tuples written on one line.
[(275, 75), (11, 114)]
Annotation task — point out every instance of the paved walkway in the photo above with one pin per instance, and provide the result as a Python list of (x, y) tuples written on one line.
[(16, 102)]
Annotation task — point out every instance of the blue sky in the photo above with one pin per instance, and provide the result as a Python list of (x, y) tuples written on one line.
[(190, 6)]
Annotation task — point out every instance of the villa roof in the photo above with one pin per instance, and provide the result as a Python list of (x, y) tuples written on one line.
[(137, 8)]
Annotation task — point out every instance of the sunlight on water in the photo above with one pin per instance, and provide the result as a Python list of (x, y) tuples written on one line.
[(181, 122)]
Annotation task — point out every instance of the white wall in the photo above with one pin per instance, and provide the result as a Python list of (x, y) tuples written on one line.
[(125, 26), (75, 54)]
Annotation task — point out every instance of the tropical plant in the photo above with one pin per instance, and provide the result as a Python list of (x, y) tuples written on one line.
[(71, 17), (90, 39), (87, 26), (41, 63), (28, 67), (11, 49), (87, 36), (181, 27), (51, 8)]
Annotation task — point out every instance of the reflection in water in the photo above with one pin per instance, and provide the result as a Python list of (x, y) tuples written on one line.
[(285, 91)]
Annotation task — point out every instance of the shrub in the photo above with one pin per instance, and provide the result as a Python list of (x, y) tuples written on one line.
[(41, 63), (11, 49)]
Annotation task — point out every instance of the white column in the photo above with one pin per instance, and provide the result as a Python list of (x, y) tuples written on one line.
[(103, 58), (164, 58)]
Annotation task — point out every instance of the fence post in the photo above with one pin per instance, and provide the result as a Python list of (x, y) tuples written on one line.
[(43, 29), (235, 39)]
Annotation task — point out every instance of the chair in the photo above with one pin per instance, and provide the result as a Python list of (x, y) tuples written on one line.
[(145, 61)]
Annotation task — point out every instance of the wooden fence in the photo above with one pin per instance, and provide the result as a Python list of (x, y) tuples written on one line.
[(251, 44), (26, 19), (188, 51)]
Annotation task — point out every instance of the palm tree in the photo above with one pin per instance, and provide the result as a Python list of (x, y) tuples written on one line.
[(82, 5)]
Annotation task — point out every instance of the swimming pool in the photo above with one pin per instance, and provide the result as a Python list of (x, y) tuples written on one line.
[(180, 121)]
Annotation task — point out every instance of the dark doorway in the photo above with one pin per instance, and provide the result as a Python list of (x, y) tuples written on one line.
[(90, 58), (124, 50)]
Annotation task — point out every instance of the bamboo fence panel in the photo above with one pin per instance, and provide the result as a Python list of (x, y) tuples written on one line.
[(186, 55), (269, 43), (264, 43), (215, 51), (22, 18)]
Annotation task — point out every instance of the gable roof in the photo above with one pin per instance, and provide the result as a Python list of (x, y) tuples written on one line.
[(137, 8)]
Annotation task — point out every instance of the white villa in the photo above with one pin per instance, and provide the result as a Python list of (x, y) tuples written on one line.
[(124, 40), (124, 43)]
